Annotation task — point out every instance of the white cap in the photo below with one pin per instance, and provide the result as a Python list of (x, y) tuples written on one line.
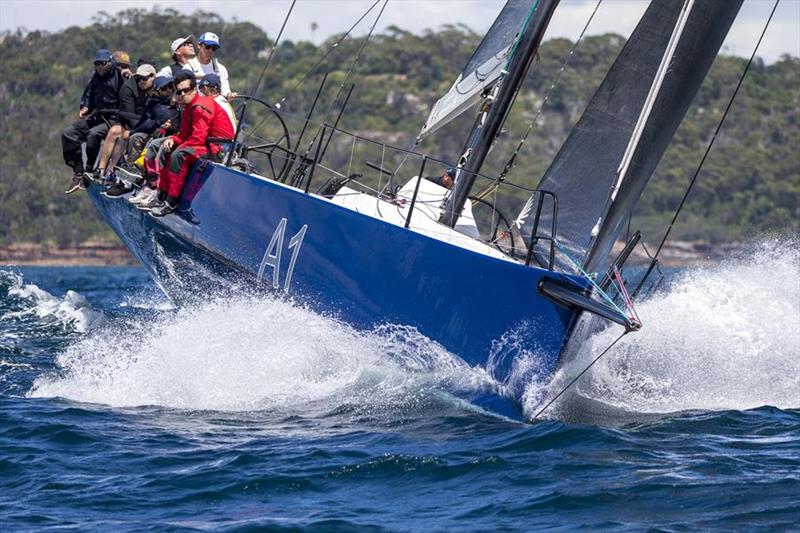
[(209, 38), (146, 70), (179, 41)]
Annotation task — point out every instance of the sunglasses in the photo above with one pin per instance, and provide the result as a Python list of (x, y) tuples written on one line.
[(212, 47), (100, 63), (184, 91)]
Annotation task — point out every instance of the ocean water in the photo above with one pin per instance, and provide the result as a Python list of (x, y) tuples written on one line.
[(119, 412)]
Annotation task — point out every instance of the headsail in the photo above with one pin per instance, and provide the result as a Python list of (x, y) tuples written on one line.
[(608, 158), (483, 68)]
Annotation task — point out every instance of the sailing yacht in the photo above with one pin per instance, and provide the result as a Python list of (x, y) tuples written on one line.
[(413, 254)]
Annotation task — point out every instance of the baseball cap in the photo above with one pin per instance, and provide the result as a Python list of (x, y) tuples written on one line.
[(122, 57), (146, 70), (209, 38), (209, 79), (102, 55), (179, 41), (162, 81)]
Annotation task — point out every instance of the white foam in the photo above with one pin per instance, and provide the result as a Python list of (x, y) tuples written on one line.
[(253, 354), (726, 337), (73, 310)]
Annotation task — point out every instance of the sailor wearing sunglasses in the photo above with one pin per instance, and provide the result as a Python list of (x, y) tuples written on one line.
[(206, 52)]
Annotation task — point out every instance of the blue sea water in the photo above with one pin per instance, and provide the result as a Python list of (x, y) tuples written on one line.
[(120, 412)]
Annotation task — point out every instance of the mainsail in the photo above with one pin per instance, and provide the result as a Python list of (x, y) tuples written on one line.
[(496, 107), (483, 68), (608, 158)]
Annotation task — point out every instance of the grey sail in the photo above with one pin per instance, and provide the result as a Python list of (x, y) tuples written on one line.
[(611, 153), (483, 68)]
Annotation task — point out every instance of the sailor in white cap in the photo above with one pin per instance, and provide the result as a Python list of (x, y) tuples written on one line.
[(183, 53), (208, 46)]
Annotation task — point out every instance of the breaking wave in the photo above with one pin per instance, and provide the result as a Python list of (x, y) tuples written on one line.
[(252, 354), (721, 337), (27, 303)]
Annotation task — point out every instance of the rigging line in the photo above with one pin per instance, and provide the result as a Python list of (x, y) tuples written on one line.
[(258, 82), (710, 144), (590, 365), (272, 51), (353, 64), (509, 165), (327, 53), (254, 128), (588, 278)]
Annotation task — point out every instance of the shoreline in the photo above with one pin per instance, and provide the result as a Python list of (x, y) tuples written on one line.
[(92, 253), (83, 254)]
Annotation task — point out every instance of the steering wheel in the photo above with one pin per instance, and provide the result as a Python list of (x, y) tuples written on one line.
[(276, 145)]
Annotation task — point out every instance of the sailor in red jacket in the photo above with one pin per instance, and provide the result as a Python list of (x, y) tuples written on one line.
[(202, 118)]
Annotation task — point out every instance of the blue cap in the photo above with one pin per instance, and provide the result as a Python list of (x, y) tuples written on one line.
[(209, 79), (451, 171), (209, 38), (162, 81), (102, 55)]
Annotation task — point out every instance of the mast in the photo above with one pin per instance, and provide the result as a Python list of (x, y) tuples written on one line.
[(495, 109)]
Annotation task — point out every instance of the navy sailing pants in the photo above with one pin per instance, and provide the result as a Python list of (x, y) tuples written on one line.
[(79, 131)]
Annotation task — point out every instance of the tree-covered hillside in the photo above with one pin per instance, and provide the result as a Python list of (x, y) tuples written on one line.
[(750, 183)]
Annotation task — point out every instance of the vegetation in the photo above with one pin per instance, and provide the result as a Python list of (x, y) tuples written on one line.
[(749, 184)]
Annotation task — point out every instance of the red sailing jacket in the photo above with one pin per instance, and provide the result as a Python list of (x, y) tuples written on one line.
[(201, 119)]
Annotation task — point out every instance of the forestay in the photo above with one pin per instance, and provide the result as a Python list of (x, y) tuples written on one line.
[(483, 68)]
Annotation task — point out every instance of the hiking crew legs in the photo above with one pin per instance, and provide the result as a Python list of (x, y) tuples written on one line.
[(111, 149), (76, 133), (154, 158), (136, 143), (173, 175)]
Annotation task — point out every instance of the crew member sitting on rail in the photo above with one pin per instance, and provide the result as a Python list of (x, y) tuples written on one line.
[(202, 119), (122, 62), (132, 98), (210, 85), (101, 93), (160, 119)]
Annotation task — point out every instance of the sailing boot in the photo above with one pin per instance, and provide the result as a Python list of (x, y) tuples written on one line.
[(118, 189), (76, 184), (169, 205), (143, 195), (91, 176), (155, 201)]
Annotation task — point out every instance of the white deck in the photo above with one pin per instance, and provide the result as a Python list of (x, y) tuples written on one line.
[(426, 214)]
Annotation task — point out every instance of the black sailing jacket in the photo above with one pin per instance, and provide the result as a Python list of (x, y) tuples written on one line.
[(131, 102), (103, 92)]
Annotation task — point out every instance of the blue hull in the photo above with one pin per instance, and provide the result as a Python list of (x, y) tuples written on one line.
[(250, 231)]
